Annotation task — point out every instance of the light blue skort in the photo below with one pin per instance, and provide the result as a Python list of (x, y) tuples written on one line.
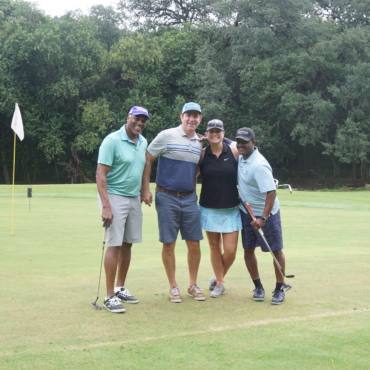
[(224, 220)]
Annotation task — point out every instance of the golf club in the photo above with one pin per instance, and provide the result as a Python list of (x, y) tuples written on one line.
[(101, 265), (286, 186), (248, 208), (283, 185)]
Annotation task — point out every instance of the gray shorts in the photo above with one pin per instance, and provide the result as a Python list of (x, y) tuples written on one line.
[(177, 213), (127, 220)]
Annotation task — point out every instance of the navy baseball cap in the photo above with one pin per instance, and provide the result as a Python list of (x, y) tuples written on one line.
[(191, 106), (245, 133), (137, 111), (215, 123)]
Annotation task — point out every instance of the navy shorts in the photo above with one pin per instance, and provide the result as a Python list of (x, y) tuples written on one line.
[(251, 238), (178, 213)]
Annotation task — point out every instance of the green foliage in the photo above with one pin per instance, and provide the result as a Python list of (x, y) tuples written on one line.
[(348, 13), (109, 24), (134, 55), (296, 72), (97, 121), (166, 13)]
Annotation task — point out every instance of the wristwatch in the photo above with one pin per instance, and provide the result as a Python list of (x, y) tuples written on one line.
[(264, 220)]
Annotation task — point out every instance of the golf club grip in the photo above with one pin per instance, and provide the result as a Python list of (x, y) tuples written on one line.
[(248, 208), (106, 225)]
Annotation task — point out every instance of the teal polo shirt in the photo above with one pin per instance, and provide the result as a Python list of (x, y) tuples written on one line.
[(126, 161)]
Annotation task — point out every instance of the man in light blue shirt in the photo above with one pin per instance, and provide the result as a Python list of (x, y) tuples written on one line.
[(118, 176), (257, 187)]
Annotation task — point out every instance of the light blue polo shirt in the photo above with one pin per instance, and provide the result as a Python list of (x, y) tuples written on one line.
[(126, 161), (254, 181)]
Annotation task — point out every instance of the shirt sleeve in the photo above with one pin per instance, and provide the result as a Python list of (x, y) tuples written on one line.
[(106, 152), (264, 179), (159, 145)]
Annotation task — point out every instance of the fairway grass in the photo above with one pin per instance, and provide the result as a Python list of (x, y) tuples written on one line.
[(49, 275)]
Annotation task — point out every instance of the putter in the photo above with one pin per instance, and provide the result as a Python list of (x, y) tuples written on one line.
[(101, 265), (248, 208)]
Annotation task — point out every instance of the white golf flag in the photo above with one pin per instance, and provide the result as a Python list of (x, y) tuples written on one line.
[(17, 124)]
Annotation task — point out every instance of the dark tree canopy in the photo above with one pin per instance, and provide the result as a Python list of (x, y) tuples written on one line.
[(296, 72), (165, 12)]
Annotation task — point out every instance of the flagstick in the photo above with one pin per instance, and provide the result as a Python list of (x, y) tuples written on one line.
[(12, 226)]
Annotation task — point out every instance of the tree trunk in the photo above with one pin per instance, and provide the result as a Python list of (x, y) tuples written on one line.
[(5, 167), (336, 168), (56, 171), (354, 169), (365, 170)]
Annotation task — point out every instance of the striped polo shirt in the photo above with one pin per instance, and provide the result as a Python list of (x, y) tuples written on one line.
[(178, 159)]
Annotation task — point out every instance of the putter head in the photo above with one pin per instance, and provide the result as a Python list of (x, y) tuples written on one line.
[(289, 276), (96, 305)]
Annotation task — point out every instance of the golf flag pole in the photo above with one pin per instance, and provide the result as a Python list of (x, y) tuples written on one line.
[(17, 127)]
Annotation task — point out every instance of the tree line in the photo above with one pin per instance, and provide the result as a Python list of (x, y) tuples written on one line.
[(296, 71)]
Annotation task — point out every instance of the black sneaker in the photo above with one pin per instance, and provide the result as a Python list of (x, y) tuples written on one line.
[(278, 297), (125, 296), (259, 293), (286, 287), (113, 304)]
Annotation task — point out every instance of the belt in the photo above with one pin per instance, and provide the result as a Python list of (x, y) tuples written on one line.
[(179, 194)]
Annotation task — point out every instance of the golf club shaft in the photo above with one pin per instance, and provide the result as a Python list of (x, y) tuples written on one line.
[(248, 208), (101, 266), (102, 256)]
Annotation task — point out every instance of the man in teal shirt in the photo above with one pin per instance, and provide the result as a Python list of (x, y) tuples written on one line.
[(118, 176)]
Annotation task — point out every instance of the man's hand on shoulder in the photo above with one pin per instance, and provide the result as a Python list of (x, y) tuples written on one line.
[(201, 138)]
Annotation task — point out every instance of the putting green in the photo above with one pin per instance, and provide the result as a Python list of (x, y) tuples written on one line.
[(49, 273)]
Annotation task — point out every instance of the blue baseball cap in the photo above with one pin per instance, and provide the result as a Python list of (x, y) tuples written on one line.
[(191, 106), (137, 111)]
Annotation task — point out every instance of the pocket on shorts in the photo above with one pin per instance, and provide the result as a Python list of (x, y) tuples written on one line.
[(159, 197)]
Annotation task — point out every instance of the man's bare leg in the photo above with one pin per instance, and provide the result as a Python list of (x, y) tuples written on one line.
[(193, 260), (251, 263), (281, 259), (169, 262), (124, 259), (110, 266)]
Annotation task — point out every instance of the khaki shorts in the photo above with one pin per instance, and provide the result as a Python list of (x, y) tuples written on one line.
[(127, 220)]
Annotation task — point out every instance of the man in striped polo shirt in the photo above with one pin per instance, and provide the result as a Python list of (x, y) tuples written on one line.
[(179, 151)]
